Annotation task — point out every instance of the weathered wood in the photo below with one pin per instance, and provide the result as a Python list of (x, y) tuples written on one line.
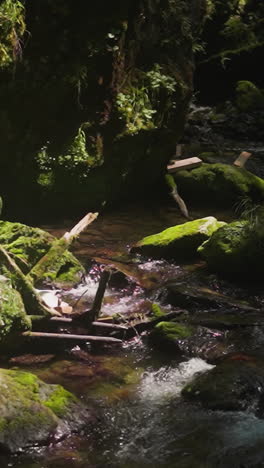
[(184, 164), (242, 159), (32, 300), (51, 260), (65, 336), (80, 226), (175, 195), (111, 326), (92, 314)]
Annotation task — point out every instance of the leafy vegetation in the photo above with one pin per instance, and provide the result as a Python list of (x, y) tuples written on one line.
[(12, 28)]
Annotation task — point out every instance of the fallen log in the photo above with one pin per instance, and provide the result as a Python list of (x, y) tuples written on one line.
[(32, 301), (51, 261), (66, 336)]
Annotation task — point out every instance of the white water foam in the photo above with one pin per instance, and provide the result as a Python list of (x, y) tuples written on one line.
[(167, 382)]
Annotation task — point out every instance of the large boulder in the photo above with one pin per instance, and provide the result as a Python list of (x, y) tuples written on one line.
[(235, 384), (27, 245), (32, 412), (219, 183), (235, 249), (13, 318), (180, 241)]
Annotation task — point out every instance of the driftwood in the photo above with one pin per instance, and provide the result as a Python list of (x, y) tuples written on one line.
[(65, 336), (32, 300), (51, 260)]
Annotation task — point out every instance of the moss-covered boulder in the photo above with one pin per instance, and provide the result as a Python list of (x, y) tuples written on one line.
[(32, 412), (235, 249), (168, 334), (13, 318), (219, 183), (236, 384), (180, 241), (248, 96), (27, 245)]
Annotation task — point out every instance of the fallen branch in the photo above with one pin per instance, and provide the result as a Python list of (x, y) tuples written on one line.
[(32, 300), (174, 193), (64, 336), (51, 261)]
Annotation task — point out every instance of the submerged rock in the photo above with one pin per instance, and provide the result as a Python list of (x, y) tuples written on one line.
[(13, 318), (179, 241), (27, 245), (32, 412), (236, 249), (235, 384), (169, 333), (220, 183)]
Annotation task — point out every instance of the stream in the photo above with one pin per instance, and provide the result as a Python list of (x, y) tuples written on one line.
[(134, 391)]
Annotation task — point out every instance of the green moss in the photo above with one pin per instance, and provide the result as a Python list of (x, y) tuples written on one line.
[(31, 410), (170, 332), (178, 241), (27, 245), (248, 96), (170, 181), (221, 183), (59, 401), (236, 249), (13, 318), (157, 311)]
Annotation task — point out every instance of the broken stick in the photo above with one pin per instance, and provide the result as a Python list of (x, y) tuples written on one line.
[(242, 159), (174, 193), (65, 336)]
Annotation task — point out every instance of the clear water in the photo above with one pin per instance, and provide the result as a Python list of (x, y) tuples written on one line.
[(144, 423)]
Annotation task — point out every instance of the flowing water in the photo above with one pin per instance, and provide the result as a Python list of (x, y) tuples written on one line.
[(135, 391)]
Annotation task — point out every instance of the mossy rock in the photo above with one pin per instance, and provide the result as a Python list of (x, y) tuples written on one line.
[(31, 412), (27, 245), (180, 241), (219, 183), (236, 384), (248, 96), (13, 318), (168, 334), (235, 249)]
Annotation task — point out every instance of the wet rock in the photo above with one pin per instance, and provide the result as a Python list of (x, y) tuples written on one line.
[(32, 412), (31, 359), (99, 376), (179, 241), (169, 333), (195, 295), (235, 384), (219, 183), (236, 249), (190, 339), (27, 245), (13, 318)]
